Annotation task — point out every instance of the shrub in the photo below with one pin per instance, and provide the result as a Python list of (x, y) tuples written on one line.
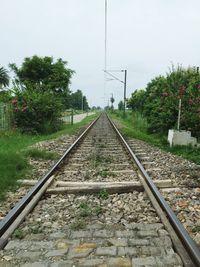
[(159, 102), (36, 111)]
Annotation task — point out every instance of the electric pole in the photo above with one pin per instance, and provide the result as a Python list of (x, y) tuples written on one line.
[(125, 75)]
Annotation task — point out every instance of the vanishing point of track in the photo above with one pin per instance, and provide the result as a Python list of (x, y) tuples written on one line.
[(126, 231)]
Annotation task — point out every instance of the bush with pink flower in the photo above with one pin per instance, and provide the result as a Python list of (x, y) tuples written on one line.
[(160, 101), (35, 111)]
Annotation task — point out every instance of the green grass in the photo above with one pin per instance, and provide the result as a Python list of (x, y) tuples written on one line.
[(98, 210), (40, 154), (103, 194), (18, 234), (190, 153), (85, 209), (13, 165), (138, 129), (13, 154)]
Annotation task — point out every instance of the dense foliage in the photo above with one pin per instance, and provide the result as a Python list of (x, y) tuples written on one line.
[(121, 105), (36, 112), (160, 100), (4, 78), (137, 100), (40, 94), (78, 101), (43, 74), (5, 96)]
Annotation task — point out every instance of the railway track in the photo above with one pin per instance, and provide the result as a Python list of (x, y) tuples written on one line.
[(96, 207)]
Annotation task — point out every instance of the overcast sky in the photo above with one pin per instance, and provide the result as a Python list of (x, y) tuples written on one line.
[(144, 37)]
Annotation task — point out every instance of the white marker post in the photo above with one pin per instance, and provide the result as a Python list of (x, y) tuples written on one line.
[(179, 115)]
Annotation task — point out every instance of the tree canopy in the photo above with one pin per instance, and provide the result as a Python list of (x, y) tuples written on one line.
[(121, 105), (136, 102), (78, 101), (44, 74)]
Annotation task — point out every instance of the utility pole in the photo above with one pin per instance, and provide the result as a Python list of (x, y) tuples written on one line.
[(124, 82), (82, 103), (125, 76)]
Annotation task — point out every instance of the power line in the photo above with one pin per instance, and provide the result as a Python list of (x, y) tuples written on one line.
[(105, 49), (113, 76), (105, 55)]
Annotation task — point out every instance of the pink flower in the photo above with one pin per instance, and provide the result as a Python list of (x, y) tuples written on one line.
[(191, 102), (182, 90), (14, 101), (24, 109), (164, 94)]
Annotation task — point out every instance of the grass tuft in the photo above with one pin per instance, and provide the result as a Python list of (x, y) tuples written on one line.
[(103, 194), (40, 154), (13, 166)]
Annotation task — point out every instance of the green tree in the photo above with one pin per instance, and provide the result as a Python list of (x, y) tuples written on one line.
[(121, 105), (136, 102), (79, 101), (96, 108), (43, 74), (76, 100), (163, 94), (4, 78), (159, 102), (41, 92), (85, 104)]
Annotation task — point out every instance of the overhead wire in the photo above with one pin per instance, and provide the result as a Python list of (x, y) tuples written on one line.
[(105, 50)]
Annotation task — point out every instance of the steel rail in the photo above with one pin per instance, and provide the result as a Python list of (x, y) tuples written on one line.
[(18, 208), (186, 240)]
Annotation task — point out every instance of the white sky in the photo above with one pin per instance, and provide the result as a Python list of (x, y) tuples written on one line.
[(144, 37)]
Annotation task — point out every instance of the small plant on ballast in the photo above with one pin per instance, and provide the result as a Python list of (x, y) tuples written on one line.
[(98, 210), (85, 209), (78, 224), (103, 194)]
